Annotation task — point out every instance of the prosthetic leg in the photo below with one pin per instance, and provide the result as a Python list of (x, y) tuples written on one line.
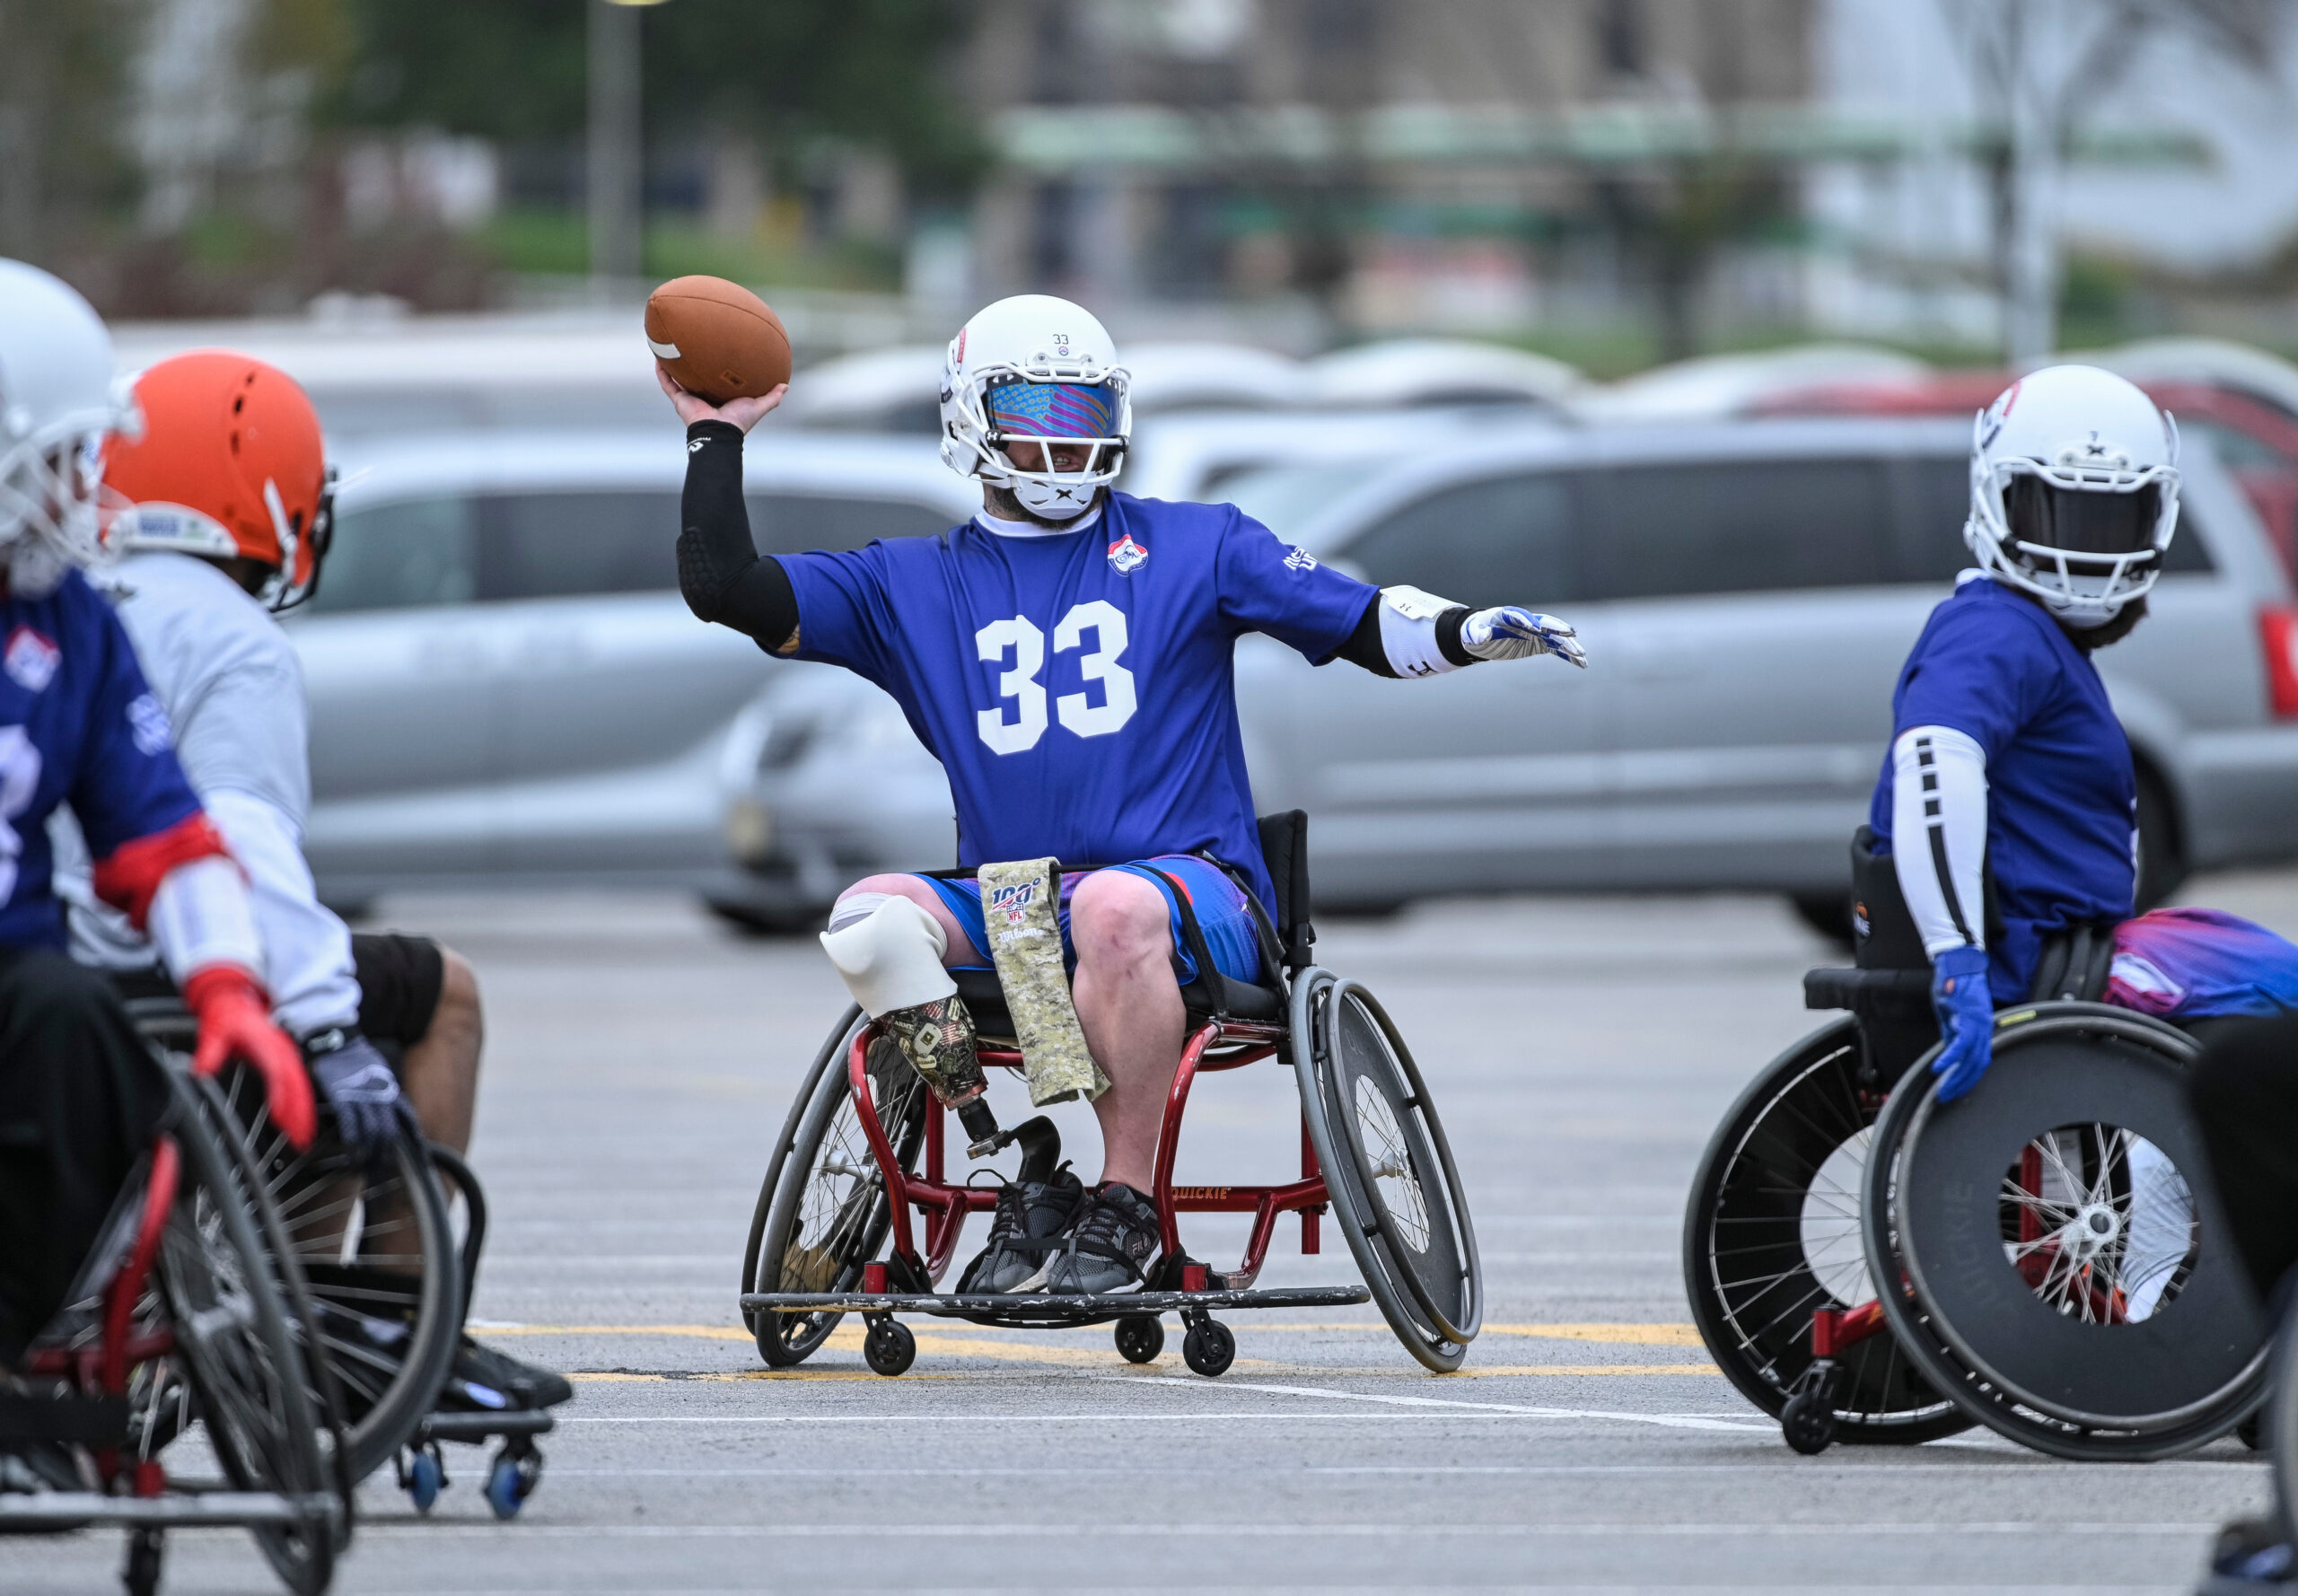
[(888, 952)]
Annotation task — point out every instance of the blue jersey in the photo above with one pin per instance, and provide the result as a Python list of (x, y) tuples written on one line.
[(77, 724), (1078, 688), (2061, 796)]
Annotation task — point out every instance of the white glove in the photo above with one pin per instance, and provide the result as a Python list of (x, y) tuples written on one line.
[(1513, 633)]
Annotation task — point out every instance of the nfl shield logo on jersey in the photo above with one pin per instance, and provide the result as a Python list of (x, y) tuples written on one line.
[(1127, 556), (31, 660), (1012, 902)]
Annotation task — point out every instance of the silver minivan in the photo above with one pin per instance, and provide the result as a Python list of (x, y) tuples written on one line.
[(503, 679), (1747, 592)]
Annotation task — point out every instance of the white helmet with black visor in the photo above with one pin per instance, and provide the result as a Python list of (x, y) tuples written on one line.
[(2074, 492), (1037, 369)]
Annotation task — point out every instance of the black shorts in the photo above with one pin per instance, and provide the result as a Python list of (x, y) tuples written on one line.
[(400, 978)]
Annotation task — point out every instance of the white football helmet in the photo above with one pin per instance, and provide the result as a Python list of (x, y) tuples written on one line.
[(58, 399), (1035, 369), (2074, 491)]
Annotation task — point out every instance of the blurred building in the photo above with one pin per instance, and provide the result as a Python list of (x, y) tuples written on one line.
[(1451, 164)]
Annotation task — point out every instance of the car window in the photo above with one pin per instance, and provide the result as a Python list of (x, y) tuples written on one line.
[(396, 557), (791, 524), (562, 545), (1736, 526), (1935, 500), (1505, 539), (1285, 498), (451, 550)]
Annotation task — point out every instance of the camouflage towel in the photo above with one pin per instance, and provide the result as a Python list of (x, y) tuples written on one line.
[(1020, 906)]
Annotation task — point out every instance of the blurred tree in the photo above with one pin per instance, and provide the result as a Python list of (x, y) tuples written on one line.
[(62, 84), (786, 71)]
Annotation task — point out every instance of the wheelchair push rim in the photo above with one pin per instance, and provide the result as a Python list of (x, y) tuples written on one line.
[(1771, 1234), (227, 1293), (1388, 1168), (2069, 1280), (823, 1213), (375, 1249)]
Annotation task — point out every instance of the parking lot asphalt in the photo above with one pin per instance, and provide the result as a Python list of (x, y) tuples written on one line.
[(640, 1060)]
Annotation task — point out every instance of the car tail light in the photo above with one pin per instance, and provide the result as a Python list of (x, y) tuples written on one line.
[(2278, 631)]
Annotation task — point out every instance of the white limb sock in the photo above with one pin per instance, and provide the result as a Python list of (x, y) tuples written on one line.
[(889, 953)]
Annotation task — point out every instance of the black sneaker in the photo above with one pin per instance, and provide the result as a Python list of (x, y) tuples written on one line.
[(485, 1380), (1109, 1245), (1030, 1217)]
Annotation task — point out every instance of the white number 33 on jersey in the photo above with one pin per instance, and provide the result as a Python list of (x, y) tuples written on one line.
[(1019, 685)]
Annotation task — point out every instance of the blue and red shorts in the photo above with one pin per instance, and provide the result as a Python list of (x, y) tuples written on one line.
[(1222, 912)]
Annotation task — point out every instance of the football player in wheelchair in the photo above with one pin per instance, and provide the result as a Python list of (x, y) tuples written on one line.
[(1067, 655), (1994, 893)]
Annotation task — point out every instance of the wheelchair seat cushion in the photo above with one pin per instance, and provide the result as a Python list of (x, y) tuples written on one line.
[(1222, 912)]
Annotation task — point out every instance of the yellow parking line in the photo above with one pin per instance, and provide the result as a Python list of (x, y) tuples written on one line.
[(1470, 1371)]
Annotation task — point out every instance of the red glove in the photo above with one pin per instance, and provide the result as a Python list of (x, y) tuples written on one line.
[(235, 1022)]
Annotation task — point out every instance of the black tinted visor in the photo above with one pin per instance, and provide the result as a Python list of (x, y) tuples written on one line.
[(2082, 523)]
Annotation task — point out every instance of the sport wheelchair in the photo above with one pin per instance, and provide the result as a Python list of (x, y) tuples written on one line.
[(391, 1282), (858, 1173), (2053, 1266), (192, 1311)]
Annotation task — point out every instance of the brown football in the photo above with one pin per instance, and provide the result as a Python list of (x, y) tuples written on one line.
[(718, 339)]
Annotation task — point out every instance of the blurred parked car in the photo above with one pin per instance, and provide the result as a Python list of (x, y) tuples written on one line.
[(504, 682), (1747, 592)]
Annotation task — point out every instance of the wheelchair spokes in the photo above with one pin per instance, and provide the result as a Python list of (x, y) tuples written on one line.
[(2100, 1224), (1391, 1161), (1829, 1225)]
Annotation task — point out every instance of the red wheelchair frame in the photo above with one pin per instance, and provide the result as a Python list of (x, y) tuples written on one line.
[(945, 1207)]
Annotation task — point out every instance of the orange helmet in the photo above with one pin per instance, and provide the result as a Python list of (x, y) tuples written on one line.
[(229, 462)]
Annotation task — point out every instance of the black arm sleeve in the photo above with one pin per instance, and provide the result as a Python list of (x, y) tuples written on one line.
[(1364, 648), (719, 568)]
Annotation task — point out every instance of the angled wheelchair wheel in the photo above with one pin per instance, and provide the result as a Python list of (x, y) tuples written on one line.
[(1388, 1167), (377, 1250), (244, 1373), (2069, 1281), (822, 1212), (1771, 1237), (2278, 1427)]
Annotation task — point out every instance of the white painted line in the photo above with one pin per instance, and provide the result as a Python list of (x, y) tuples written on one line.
[(2027, 1463), (1477, 1410), (1674, 1421), (888, 1529)]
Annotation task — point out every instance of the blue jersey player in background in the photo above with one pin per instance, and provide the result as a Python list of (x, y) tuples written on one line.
[(1067, 655), (2009, 801)]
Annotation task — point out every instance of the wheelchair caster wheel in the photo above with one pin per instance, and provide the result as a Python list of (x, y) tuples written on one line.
[(141, 1574), (1807, 1423), (888, 1348), (1140, 1337), (511, 1479), (425, 1476), (1210, 1348)]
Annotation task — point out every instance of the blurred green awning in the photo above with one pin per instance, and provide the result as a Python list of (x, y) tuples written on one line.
[(1061, 139)]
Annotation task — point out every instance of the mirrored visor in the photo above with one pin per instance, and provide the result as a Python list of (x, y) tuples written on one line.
[(2041, 513), (1054, 409)]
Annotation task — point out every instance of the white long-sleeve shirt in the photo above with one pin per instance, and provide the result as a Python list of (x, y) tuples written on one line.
[(229, 678)]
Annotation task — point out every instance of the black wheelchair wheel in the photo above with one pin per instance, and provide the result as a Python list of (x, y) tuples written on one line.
[(822, 1212), (2277, 1431), (375, 1246), (244, 1362), (1771, 1236), (2070, 1282), (1388, 1167)]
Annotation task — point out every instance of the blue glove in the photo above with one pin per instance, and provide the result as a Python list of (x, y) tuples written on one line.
[(369, 1111), (1966, 1011)]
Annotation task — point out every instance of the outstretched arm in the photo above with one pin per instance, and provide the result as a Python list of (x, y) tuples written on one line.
[(1406, 632)]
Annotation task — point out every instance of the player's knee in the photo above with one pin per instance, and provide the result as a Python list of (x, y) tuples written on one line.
[(1117, 918), (460, 1010)]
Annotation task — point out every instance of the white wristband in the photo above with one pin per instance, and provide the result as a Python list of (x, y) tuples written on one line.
[(1409, 617)]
